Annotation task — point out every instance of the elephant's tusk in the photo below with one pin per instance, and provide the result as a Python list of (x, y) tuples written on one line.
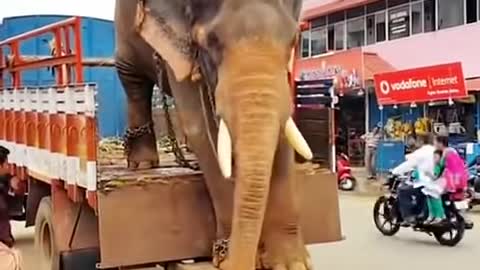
[(224, 148), (291, 61), (296, 140)]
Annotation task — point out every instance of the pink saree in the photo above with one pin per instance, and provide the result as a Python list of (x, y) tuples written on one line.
[(455, 173)]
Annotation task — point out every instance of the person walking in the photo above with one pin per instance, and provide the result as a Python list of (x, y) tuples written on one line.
[(371, 143)]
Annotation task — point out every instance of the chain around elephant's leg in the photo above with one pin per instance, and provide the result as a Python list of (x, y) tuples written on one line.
[(137, 144), (220, 254)]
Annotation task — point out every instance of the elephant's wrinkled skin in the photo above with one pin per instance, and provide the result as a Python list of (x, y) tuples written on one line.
[(249, 43)]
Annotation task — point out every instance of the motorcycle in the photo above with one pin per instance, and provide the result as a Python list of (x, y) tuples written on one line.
[(346, 181), (448, 233)]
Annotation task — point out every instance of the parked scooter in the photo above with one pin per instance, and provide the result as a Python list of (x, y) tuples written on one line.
[(346, 181)]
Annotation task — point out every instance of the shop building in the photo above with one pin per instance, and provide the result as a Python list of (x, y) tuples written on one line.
[(355, 40)]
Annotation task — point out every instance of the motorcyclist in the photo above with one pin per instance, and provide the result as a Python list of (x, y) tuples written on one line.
[(422, 162)]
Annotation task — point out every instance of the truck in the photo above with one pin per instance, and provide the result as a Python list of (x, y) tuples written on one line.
[(88, 209)]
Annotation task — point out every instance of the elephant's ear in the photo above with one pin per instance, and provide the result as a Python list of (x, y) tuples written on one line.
[(163, 25)]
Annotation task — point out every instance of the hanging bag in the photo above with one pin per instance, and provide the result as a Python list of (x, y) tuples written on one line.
[(455, 127), (439, 126)]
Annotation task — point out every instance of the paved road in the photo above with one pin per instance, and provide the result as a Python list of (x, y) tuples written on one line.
[(24, 238), (364, 247)]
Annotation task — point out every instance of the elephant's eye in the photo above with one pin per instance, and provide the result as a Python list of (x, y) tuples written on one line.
[(214, 47), (213, 41)]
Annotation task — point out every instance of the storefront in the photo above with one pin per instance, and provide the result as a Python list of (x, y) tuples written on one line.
[(353, 71), (416, 101)]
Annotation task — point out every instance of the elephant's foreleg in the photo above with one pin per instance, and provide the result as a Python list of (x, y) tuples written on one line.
[(198, 124), (281, 236), (140, 138)]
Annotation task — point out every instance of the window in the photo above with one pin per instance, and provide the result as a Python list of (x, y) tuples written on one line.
[(356, 33), (472, 11), (318, 41), (305, 44), (398, 22), (381, 26), (331, 38), (376, 6), (450, 13), (339, 36), (417, 18), (429, 15), (336, 17), (322, 21), (394, 3), (370, 29), (383, 20), (355, 12)]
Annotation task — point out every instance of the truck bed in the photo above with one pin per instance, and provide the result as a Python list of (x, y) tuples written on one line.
[(112, 168), (113, 172)]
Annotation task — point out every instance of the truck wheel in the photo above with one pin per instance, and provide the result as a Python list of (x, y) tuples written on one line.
[(44, 236)]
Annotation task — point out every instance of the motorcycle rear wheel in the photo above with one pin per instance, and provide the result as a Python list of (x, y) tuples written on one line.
[(384, 208), (454, 235)]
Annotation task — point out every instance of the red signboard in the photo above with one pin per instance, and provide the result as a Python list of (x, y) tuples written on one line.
[(424, 84)]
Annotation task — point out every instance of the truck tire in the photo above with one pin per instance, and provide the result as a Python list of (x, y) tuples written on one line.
[(44, 236)]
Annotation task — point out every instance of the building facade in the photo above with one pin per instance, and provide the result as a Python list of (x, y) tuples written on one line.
[(406, 33), (356, 39)]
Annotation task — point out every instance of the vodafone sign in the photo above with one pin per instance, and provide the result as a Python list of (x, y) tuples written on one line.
[(421, 85)]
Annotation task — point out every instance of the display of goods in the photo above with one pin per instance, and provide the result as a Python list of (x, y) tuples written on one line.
[(423, 125)]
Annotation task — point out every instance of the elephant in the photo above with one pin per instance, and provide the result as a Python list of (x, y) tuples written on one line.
[(236, 52)]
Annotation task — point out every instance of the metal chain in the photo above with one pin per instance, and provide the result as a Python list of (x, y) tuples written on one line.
[(173, 142), (220, 251), (134, 133), (172, 138), (208, 83)]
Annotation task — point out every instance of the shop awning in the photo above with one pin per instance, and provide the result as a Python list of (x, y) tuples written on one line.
[(351, 68), (338, 5), (375, 64), (473, 84)]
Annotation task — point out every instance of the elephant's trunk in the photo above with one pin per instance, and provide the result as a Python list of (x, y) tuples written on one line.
[(253, 100), (256, 142)]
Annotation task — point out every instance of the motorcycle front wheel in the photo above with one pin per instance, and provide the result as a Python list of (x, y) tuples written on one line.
[(453, 235), (385, 217)]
